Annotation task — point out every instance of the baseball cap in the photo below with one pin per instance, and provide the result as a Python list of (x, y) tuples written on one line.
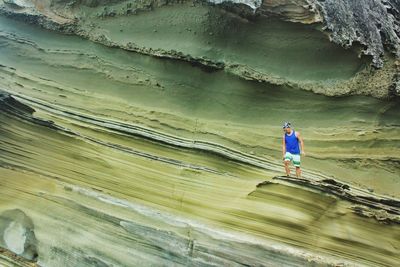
[(286, 125)]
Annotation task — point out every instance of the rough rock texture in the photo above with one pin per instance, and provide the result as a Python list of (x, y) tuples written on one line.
[(372, 23), (150, 134), (98, 198), (17, 232)]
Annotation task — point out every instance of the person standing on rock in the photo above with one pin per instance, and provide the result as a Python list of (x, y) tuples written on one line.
[(292, 147)]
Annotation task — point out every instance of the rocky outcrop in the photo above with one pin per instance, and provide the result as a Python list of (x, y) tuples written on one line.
[(363, 28), (150, 134), (156, 207), (373, 24), (17, 234)]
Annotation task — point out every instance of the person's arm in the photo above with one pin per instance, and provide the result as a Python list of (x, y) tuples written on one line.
[(283, 147), (301, 143)]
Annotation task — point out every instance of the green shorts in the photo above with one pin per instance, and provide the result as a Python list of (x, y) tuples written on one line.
[(293, 157)]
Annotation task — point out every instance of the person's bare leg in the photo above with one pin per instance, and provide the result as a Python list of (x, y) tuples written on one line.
[(298, 172), (287, 169)]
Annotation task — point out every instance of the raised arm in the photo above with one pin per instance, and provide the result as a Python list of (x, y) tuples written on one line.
[(301, 143)]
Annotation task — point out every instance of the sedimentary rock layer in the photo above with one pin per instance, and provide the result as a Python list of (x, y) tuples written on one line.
[(259, 46), (374, 24), (183, 208), (172, 156)]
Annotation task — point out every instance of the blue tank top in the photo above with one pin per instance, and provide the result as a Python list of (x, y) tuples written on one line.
[(292, 143)]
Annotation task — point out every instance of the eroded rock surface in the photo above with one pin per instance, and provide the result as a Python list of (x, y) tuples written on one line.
[(374, 24), (17, 234), (242, 42), (149, 133)]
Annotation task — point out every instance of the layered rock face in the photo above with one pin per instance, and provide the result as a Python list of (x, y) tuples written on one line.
[(149, 133), (209, 36), (373, 24)]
